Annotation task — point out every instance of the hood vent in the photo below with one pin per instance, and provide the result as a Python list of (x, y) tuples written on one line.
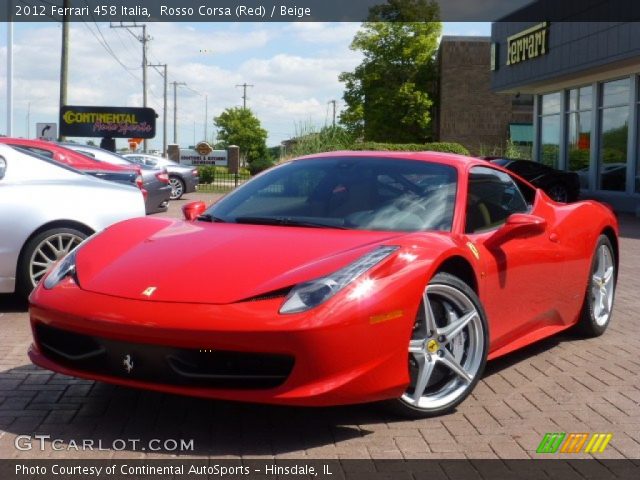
[(280, 293)]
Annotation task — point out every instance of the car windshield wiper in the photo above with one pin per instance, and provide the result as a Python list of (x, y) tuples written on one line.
[(287, 221), (207, 217)]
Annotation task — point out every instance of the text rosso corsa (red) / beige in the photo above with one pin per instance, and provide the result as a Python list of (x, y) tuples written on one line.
[(239, 11)]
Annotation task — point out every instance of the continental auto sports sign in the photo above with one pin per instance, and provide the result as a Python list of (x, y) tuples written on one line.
[(114, 122)]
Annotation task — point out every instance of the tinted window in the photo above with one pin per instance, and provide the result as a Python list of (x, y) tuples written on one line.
[(352, 192), (492, 197), (38, 151)]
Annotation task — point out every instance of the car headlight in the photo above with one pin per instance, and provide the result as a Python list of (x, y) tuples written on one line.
[(311, 294), (64, 268)]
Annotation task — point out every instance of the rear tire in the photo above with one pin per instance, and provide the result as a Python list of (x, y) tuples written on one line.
[(598, 300), (42, 252), (447, 350), (177, 187)]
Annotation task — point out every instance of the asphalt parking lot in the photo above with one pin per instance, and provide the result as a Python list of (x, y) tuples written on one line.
[(563, 384)]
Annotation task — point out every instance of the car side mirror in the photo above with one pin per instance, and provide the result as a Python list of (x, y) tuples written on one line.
[(193, 210), (3, 167), (519, 225)]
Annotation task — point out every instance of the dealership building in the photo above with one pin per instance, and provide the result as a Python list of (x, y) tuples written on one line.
[(585, 82)]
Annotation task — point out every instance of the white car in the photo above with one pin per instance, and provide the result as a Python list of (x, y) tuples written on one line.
[(47, 209)]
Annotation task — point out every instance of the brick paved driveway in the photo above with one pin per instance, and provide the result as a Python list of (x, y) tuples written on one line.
[(562, 384)]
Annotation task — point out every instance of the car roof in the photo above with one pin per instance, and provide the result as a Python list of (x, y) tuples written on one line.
[(80, 161)]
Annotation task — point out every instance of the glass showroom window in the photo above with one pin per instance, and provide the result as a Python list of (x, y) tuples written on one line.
[(637, 182), (614, 119), (550, 129), (579, 105)]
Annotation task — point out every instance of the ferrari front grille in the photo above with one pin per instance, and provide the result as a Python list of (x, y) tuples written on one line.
[(163, 364)]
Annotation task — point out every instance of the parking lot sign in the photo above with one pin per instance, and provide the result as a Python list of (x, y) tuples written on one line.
[(47, 131)]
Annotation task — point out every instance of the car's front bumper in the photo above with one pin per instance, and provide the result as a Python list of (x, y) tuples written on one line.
[(346, 354)]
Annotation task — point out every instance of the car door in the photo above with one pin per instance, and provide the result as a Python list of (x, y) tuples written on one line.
[(520, 274)]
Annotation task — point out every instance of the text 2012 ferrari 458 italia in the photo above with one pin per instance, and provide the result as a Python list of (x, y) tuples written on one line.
[(332, 279)]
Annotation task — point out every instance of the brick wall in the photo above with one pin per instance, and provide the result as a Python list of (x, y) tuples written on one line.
[(469, 112)]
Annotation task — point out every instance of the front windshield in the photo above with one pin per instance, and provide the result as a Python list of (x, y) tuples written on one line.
[(361, 193)]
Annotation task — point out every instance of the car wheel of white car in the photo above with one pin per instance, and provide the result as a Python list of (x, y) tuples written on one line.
[(42, 252), (177, 187)]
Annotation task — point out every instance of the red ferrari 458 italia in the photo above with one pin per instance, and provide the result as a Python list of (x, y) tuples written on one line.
[(332, 279)]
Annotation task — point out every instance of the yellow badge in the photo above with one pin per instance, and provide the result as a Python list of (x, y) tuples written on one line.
[(474, 250), (149, 291)]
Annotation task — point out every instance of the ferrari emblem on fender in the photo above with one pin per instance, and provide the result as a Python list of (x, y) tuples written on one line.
[(149, 291), (128, 363), (474, 250)]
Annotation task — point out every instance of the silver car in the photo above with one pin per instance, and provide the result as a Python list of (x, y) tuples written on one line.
[(182, 178), (46, 209), (155, 180)]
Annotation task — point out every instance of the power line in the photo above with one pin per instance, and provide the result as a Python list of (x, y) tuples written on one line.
[(126, 69)]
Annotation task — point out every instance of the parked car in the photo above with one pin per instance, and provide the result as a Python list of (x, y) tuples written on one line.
[(47, 209), (129, 174), (155, 180), (183, 179), (336, 278), (561, 186)]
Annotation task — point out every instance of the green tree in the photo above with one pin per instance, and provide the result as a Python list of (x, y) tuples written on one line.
[(239, 126), (389, 95)]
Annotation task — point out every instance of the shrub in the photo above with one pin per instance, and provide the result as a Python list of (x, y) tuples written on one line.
[(445, 147), (206, 173), (259, 165)]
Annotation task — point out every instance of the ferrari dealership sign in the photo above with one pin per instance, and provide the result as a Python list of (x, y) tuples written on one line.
[(114, 122)]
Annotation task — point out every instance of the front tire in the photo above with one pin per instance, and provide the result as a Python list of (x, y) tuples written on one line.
[(42, 252), (598, 300), (177, 187), (447, 350)]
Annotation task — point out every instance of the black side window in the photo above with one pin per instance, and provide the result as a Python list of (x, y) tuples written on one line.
[(492, 197), (39, 151)]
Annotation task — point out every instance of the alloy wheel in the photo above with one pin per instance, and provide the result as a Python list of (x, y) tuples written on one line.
[(602, 285), (48, 252), (446, 350), (177, 188)]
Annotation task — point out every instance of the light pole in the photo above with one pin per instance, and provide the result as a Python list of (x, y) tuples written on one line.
[(9, 73)]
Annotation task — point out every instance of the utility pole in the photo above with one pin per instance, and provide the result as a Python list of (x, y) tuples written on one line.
[(175, 110), (29, 120), (164, 106), (333, 102), (64, 58), (244, 94), (206, 114), (9, 72), (144, 38)]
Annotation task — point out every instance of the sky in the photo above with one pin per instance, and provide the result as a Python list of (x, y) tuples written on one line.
[(293, 68)]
